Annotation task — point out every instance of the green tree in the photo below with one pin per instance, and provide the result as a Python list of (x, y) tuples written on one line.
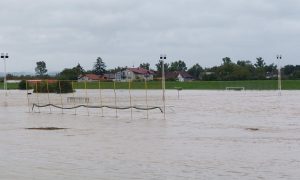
[(248, 68), (41, 68), (99, 67), (240, 73), (196, 71), (159, 67), (145, 66), (260, 63), (260, 68), (226, 60), (68, 74), (71, 74), (289, 70), (210, 74), (272, 68), (296, 74), (178, 66), (244, 63), (79, 69), (224, 72)]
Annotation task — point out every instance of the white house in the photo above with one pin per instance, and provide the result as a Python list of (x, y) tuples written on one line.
[(131, 74)]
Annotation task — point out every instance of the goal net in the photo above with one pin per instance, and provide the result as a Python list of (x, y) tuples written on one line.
[(102, 98)]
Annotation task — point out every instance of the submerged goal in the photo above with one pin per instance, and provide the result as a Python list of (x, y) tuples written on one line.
[(235, 88), (102, 98)]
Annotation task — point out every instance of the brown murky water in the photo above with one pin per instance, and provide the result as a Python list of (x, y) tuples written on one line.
[(207, 135)]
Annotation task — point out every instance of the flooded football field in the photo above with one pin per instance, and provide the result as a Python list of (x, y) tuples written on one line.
[(206, 135)]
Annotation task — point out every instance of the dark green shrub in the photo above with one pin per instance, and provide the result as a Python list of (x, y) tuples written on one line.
[(22, 85), (42, 88), (64, 87)]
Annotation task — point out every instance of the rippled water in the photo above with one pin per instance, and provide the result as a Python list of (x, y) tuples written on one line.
[(206, 136)]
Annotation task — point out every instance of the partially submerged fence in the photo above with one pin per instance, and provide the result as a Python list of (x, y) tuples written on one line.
[(101, 98)]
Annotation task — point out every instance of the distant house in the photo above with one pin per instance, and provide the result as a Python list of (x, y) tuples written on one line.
[(180, 76), (92, 77), (110, 76), (131, 74)]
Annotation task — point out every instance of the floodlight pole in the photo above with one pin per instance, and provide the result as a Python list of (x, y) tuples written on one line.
[(5, 56), (163, 57), (279, 57)]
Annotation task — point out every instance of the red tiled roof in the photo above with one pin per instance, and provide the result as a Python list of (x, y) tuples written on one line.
[(140, 71), (92, 76)]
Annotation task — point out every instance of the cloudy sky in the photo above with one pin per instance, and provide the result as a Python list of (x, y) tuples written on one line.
[(128, 32)]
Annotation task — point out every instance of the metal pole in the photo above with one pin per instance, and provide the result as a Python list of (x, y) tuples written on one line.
[(86, 98), (61, 99), (27, 96), (163, 57), (4, 56), (48, 96), (279, 57), (146, 88), (74, 103), (5, 82), (101, 103), (37, 95), (115, 99), (129, 87)]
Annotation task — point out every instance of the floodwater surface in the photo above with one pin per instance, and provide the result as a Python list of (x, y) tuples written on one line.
[(206, 135)]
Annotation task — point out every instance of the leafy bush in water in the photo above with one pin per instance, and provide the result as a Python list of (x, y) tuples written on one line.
[(64, 87), (22, 85), (42, 88)]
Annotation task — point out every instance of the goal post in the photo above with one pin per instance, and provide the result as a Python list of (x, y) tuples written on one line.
[(235, 88), (94, 97)]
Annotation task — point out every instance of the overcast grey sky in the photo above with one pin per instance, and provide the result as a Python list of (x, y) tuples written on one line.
[(128, 32)]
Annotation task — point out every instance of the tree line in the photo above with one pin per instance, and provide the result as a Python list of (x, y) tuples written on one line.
[(226, 71)]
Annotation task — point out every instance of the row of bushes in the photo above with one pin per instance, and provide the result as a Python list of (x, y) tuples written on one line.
[(43, 87)]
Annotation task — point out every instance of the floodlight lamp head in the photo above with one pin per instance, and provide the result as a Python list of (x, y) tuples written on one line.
[(163, 56), (4, 55), (279, 56)]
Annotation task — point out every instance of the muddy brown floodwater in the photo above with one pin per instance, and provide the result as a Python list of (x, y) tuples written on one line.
[(207, 135)]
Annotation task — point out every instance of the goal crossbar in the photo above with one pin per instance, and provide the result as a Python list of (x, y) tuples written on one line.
[(236, 88)]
